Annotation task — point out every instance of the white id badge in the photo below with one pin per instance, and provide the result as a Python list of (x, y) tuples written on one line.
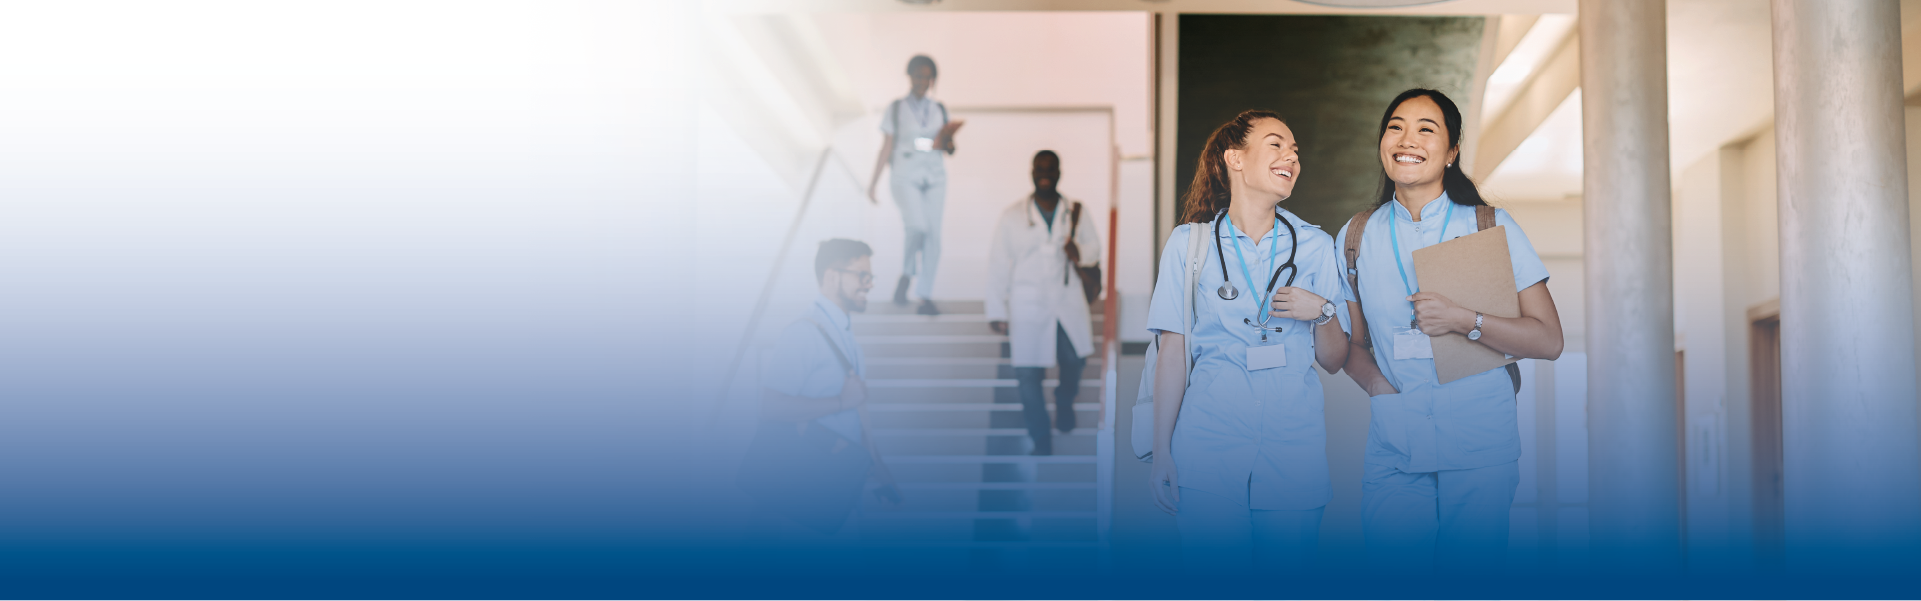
[(1266, 357), (924, 144), (1410, 343)]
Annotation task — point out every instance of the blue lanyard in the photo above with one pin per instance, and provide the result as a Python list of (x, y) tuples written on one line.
[(1393, 233), (1273, 252)]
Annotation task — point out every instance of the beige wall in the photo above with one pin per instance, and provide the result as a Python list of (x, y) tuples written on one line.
[(1727, 260), (1554, 228)]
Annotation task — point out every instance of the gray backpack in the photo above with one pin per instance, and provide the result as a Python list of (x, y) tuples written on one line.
[(1142, 434)]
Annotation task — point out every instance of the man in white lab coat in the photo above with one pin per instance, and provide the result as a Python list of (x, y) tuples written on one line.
[(1037, 301)]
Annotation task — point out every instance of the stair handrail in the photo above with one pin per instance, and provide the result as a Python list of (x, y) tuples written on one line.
[(1110, 369), (767, 289)]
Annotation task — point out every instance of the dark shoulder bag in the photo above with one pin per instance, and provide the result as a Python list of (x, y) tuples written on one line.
[(805, 471), (1090, 276)]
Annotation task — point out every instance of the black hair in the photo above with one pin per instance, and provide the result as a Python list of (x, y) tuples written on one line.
[(1459, 188), (837, 253), (922, 60), (1049, 154)]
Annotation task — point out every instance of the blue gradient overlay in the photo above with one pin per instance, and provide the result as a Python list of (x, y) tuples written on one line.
[(423, 299)]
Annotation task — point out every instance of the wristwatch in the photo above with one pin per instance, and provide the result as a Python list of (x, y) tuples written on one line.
[(1475, 334), (1327, 313)]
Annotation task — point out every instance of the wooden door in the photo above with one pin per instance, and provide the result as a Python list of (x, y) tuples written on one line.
[(1764, 356)]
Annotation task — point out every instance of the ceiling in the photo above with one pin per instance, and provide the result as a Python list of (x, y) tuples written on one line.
[(1442, 7), (1720, 91)]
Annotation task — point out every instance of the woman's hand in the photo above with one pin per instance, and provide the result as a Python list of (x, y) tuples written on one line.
[(1295, 303), (1439, 315), (1165, 481)]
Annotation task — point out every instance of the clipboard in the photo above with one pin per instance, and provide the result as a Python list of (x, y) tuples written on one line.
[(1475, 272)]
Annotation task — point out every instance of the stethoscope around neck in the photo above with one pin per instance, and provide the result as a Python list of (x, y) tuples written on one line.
[(1227, 289)]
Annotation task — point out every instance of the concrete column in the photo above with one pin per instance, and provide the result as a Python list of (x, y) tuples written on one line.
[(1851, 475), (1634, 508)]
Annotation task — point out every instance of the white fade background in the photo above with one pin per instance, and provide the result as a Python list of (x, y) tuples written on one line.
[(380, 267)]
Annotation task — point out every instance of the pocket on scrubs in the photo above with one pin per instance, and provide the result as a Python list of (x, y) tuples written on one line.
[(1481, 417), (1200, 417), (1385, 430), (1229, 389)]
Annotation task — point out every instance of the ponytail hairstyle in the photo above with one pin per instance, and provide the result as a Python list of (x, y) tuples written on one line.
[(1210, 191), (1459, 188)]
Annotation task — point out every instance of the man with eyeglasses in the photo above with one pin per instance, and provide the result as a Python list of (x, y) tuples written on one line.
[(812, 454)]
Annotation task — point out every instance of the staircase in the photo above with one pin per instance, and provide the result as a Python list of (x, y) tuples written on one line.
[(946, 417)]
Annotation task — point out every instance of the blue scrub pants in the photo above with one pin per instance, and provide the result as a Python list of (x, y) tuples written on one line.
[(1457, 519), (1034, 405), (922, 199), (1221, 535)]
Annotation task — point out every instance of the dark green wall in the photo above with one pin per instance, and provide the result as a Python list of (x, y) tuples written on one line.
[(1330, 78)]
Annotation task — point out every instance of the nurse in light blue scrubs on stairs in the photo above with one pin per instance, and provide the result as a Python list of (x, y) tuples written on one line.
[(1240, 449), (916, 135), (1441, 461)]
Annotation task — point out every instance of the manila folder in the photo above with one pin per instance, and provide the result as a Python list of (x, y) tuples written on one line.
[(1475, 273)]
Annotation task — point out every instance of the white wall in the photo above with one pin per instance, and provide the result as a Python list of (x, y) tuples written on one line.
[(1033, 60)]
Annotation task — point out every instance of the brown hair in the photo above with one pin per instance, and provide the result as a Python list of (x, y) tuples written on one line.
[(1210, 191)]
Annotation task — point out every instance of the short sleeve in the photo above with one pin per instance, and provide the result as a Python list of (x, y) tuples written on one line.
[(887, 118), (1340, 266), (1528, 268), (785, 364), (1170, 286), (1328, 282)]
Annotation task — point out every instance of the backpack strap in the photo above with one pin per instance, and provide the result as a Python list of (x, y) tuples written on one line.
[(1197, 235), (1073, 228), (838, 354), (1352, 249), (1484, 218), (893, 112)]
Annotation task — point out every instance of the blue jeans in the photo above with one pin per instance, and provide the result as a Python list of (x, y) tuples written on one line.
[(1033, 404)]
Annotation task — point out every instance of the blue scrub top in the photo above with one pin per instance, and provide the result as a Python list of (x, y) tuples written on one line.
[(800, 362), (921, 117), (1259, 435), (1428, 426)]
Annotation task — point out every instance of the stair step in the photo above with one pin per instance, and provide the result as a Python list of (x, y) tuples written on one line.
[(995, 486), (975, 515), (867, 339), (966, 383), (1093, 363), (972, 432), (972, 459), (980, 318), (907, 407)]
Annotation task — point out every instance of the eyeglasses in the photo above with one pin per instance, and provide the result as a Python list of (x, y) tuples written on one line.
[(866, 277)]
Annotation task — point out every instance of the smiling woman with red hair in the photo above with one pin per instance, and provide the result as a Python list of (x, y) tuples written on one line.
[(1240, 447)]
